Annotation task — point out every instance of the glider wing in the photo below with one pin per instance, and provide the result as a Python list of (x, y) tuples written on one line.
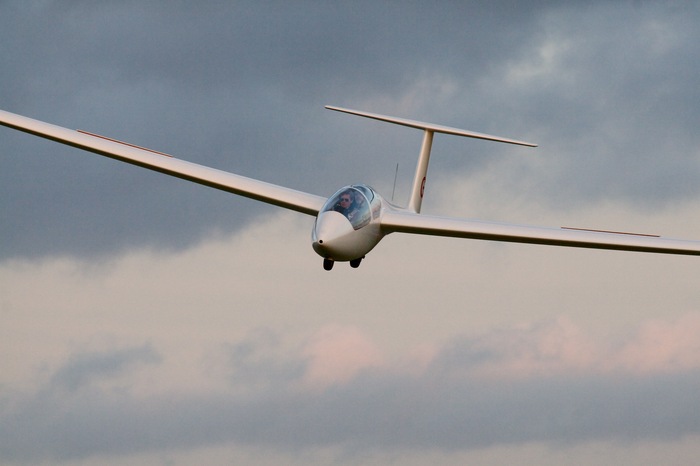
[(259, 190), (409, 222)]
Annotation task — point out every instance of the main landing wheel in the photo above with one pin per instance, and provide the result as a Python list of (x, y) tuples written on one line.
[(355, 263), (328, 264)]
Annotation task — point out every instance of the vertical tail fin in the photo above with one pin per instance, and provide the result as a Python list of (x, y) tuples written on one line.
[(418, 188)]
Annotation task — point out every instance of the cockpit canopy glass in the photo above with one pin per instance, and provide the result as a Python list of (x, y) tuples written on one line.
[(353, 202)]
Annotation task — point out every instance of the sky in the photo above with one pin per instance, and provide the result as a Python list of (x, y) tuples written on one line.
[(145, 320)]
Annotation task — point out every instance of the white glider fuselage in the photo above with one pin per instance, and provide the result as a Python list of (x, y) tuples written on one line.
[(349, 224)]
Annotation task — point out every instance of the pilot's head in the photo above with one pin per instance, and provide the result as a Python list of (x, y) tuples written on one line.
[(346, 199)]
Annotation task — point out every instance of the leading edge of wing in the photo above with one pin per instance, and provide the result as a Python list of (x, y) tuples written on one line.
[(248, 187), (409, 222)]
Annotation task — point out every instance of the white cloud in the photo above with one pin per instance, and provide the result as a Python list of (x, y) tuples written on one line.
[(244, 336), (337, 354)]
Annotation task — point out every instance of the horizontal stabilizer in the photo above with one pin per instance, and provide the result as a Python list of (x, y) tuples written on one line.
[(431, 127)]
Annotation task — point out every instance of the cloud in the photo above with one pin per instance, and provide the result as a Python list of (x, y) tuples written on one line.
[(547, 383), (337, 354), (84, 368), (662, 346), (559, 347)]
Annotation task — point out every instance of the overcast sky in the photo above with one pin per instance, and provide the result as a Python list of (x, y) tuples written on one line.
[(147, 320)]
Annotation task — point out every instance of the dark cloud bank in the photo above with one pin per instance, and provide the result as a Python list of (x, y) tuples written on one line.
[(608, 90)]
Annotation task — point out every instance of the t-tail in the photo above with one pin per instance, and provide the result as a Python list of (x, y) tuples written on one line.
[(418, 187)]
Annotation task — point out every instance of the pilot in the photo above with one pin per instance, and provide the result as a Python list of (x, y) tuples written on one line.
[(346, 203)]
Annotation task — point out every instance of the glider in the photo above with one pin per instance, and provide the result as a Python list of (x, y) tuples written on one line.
[(351, 222)]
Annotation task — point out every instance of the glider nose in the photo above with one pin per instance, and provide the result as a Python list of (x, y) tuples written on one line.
[(331, 232)]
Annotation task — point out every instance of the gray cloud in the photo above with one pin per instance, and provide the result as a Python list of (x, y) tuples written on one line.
[(445, 407), (241, 87), (70, 411), (86, 367)]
